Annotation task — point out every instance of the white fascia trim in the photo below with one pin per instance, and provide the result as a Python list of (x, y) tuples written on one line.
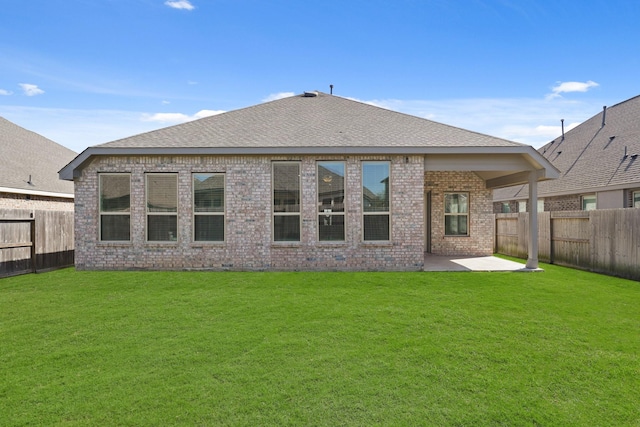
[(35, 193)]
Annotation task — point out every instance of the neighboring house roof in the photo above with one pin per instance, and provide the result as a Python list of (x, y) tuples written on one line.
[(311, 123), (26, 154), (592, 156)]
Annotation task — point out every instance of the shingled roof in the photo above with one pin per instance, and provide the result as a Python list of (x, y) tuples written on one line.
[(320, 120), (26, 154), (599, 154), (310, 123)]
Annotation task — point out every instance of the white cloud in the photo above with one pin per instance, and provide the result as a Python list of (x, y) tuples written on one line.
[(568, 87), (207, 113), (166, 102), (31, 90), (175, 118), (5, 92), (276, 96), (180, 4)]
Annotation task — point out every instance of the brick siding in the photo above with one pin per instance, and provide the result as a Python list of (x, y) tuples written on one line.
[(481, 220), (248, 234)]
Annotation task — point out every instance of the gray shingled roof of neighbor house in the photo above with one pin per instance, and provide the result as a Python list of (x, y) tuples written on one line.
[(592, 156), (309, 123), (25, 153)]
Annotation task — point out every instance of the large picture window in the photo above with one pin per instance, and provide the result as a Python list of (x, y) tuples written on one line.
[(286, 201), (208, 207), (162, 207), (331, 201), (456, 214), (375, 200), (115, 207)]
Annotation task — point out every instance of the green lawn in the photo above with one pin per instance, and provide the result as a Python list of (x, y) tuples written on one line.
[(274, 349)]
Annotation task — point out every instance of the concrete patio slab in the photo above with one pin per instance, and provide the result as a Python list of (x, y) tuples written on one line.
[(481, 263)]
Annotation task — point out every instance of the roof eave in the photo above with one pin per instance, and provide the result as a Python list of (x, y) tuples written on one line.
[(35, 192), (70, 171)]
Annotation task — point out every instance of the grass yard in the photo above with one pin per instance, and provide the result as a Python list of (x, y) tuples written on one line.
[(558, 348)]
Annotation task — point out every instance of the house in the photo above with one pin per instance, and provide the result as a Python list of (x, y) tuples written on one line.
[(599, 165), (29, 172), (310, 182)]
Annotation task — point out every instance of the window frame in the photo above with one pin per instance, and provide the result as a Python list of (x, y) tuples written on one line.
[(147, 175), (583, 201), (386, 213), (457, 214), (634, 195), (102, 213), (222, 213), (322, 212), (275, 213)]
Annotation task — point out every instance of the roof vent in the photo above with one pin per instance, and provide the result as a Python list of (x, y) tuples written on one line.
[(311, 94)]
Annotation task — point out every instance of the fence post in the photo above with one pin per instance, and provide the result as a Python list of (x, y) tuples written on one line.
[(33, 245), (552, 256)]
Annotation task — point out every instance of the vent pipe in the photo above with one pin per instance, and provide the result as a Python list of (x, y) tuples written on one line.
[(562, 123), (330, 89), (604, 115)]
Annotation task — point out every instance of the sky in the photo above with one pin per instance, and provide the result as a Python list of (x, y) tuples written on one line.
[(85, 72)]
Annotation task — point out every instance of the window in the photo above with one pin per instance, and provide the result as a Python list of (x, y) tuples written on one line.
[(588, 202), (330, 201), (506, 208), (115, 207), (208, 207), (456, 214), (286, 201), (375, 200), (522, 206), (162, 207), (636, 199)]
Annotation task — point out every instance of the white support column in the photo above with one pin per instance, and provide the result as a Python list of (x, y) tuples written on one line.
[(532, 260)]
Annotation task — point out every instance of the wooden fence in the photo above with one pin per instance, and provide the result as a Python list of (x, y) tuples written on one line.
[(35, 240), (605, 241)]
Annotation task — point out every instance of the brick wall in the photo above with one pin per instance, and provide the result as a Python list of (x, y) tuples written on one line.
[(25, 201), (563, 203), (248, 244), (481, 220)]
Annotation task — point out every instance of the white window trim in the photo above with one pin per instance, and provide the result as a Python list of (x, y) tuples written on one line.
[(388, 212), (273, 211), (223, 213), (146, 207), (467, 214), (633, 198), (101, 213), (344, 202)]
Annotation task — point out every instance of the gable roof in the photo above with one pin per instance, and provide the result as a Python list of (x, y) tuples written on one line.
[(592, 156), (310, 123), (25, 153)]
